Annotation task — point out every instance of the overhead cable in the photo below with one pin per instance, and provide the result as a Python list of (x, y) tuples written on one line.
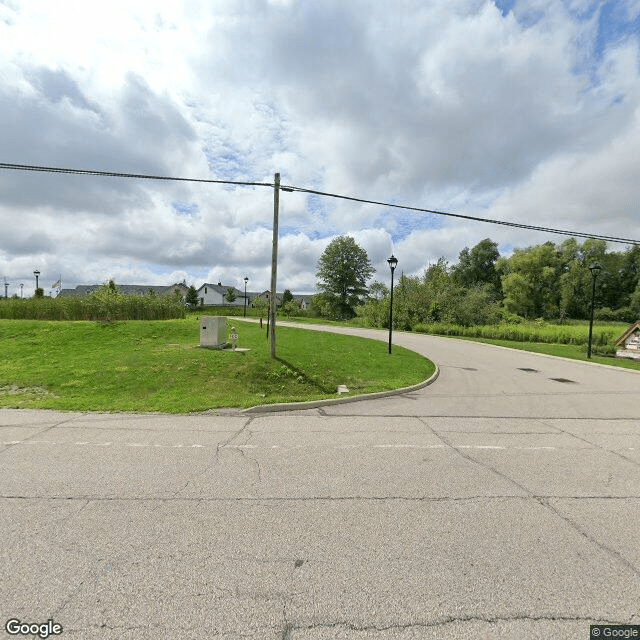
[(517, 225), (291, 188), (113, 174)]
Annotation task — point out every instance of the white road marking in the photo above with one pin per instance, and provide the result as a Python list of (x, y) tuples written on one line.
[(277, 446), (477, 446), (409, 446)]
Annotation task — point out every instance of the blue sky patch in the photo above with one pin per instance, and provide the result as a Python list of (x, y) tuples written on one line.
[(614, 26), (187, 209)]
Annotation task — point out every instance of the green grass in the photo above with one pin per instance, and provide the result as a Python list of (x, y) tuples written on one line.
[(572, 351), (103, 304), (604, 334), (565, 340), (143, 366)]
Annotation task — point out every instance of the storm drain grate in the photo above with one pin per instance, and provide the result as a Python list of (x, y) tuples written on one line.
[(528, 369), (563, 380), (469, 369)]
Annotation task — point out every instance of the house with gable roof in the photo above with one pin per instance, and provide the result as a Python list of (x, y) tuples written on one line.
[(629, 343), (212, 295)]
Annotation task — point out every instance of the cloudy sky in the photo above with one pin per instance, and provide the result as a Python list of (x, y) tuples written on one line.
[(520, 111)]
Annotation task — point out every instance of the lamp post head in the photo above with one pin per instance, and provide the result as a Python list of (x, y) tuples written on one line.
[(393, 261), (246, 279), (36, 273), (595, 269)]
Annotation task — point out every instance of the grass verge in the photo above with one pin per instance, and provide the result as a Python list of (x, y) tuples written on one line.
[(144, 366), (572, 351)]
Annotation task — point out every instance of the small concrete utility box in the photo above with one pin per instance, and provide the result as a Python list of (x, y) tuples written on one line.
[(213, 332)]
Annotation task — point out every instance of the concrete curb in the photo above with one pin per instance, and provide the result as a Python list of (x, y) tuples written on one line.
[(313, 404)]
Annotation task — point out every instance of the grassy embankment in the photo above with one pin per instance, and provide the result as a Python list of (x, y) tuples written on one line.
[(158, 366), (104, 305), (565, 340)]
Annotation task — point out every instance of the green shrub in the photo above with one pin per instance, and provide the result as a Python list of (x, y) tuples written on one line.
[(105, 304), (536, 331)]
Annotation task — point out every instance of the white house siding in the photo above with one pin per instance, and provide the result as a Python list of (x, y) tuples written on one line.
[(213, 295)]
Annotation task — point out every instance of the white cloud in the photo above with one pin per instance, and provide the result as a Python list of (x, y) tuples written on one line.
[(529, 116)]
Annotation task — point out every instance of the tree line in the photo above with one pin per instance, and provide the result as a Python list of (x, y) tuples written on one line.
[(549, 281)]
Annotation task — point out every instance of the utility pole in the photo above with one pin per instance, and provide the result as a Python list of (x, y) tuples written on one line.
[(274, 264)]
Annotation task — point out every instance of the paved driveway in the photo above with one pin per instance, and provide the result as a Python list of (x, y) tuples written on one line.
[(498, 502)]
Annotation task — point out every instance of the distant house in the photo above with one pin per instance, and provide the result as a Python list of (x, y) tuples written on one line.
[(211, 295), (180, 287), (629, 343), (303, 301), (266, 295)]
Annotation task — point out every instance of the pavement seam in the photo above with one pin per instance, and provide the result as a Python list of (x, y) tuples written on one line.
[(216, 459), (458, 620), (39, 433), (259, 499), (545, 503), (599, 446), (574, 525)]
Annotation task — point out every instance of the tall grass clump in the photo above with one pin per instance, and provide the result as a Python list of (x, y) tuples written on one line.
[(529, 332), (104, 304), (230, 311)]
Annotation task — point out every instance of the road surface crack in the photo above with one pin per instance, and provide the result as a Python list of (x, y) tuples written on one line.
[(544, 503), (216, 458), (450, 620)]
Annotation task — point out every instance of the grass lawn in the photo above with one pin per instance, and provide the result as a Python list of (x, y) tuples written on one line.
[(572, 351), (143, 366)]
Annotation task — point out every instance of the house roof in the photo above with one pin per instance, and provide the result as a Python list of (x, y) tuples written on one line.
[(627, 333), (222, 289)]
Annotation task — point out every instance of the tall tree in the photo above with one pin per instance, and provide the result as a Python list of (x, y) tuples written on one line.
[(343, 271), (478, 265), (192, 297), (378, 290), (287, 296), (530, 281)]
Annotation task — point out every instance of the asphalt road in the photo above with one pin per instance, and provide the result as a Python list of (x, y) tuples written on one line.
[(498, 502)]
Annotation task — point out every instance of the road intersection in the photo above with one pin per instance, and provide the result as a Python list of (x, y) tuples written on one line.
[(502, 501)]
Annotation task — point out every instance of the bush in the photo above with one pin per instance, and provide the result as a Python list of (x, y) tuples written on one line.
[(529, 332), (105, 304), (624, 314), (292, 309)]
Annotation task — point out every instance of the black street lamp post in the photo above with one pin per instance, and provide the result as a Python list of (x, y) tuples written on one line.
[(245, 295), (393, 261), (36, 273), (595, 269)]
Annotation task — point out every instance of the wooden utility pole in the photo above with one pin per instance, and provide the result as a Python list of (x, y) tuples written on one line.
[(274, 263)]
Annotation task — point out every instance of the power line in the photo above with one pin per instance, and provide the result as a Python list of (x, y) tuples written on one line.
[(517, 225), (112, 174), (291, 188)]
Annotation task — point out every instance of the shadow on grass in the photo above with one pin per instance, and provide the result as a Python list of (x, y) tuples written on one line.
[(310, 381)]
